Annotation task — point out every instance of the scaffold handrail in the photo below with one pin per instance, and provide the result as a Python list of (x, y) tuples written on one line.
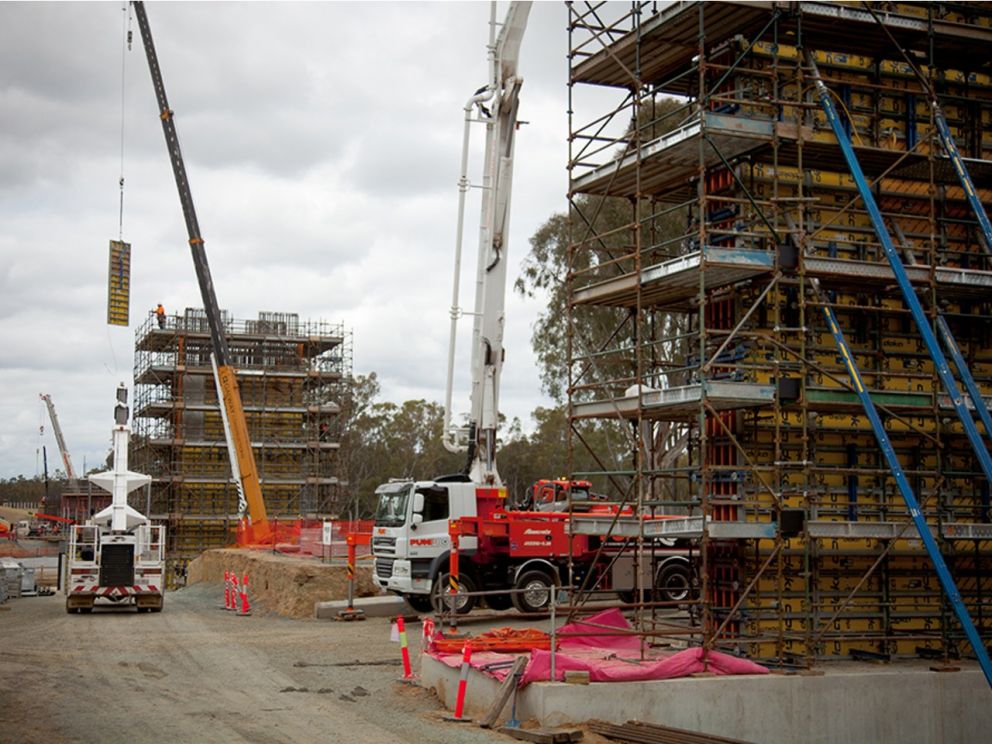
[(940, 363)]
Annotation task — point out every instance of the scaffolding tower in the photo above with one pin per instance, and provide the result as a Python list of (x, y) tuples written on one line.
[(741, 231), (292, 376)]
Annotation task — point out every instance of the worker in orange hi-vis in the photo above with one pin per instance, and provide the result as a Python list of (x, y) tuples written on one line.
[(160, 315)]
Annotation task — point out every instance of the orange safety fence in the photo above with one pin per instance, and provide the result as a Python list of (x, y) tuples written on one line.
[(305, 537), (500, 640), (13, 550)]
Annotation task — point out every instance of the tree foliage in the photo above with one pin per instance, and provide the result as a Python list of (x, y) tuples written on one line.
[(612, 348)]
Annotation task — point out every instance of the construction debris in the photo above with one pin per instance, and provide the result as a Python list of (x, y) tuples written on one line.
[(650, 733), (506, 689), (544, 735)]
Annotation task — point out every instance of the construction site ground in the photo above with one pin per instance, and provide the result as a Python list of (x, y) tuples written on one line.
[(196, 673)]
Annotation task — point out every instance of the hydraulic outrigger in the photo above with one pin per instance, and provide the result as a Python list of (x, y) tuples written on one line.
[(243, 464)]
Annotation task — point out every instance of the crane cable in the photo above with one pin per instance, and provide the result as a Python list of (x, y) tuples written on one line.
[(126, 35)]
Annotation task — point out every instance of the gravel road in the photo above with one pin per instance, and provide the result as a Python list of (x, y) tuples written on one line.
[(194, 673)]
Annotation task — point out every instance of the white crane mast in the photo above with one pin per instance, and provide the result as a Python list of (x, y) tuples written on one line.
[(497, 107), (69, 470)]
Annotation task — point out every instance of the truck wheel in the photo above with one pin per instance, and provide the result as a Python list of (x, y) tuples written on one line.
[(533, 591), (674, 582), (419, 602), (440, 603)]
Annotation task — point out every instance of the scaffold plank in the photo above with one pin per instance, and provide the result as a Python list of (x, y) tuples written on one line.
[(677, 403)]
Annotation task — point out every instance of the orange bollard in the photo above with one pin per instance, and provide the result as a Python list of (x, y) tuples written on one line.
[(227, 590), (404, 649), (234, 591), (245, 607), (350, 613), (462, 685)]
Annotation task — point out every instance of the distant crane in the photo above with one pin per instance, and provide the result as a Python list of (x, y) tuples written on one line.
[(69, 470)]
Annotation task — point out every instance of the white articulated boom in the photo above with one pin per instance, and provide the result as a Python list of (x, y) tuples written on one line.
[(496, 104)]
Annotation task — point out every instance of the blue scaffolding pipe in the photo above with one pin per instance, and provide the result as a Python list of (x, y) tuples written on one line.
[(919, 519), (943, 370), (962, 366), (950, 146), (909, 296)]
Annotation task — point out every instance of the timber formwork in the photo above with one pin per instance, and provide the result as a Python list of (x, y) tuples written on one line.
[(291, 375), (699, 124)]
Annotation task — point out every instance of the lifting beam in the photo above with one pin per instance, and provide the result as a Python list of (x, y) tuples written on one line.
[(940, 363)]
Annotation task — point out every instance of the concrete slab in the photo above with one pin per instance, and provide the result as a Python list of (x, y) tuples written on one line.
[(903, 703), (384, 606)]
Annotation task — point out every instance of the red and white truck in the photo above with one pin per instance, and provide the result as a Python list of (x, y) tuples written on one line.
[(522, 553)]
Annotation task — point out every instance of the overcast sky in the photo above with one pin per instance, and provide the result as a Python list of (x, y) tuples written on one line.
[(322, 143)]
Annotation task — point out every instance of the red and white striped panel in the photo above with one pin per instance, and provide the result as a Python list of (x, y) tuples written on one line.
[(115, 591)]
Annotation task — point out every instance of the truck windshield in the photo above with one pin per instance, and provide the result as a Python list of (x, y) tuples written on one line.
[(579, 493), (391, 509)]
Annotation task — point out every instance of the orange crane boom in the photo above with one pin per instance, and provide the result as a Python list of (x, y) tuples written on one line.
[(244, 467)]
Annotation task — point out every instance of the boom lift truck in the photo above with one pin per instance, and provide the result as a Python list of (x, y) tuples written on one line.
[(243, 466), (497, 548), (118, 555)]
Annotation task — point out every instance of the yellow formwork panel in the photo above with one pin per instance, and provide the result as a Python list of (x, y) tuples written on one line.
[(119, 283)]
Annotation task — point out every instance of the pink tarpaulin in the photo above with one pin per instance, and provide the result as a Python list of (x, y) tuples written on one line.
[(602, 646)]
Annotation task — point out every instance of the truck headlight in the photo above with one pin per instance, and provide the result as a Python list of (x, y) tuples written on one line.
[(401, 569)]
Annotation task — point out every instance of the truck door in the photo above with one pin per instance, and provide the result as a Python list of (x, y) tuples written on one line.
[(429, 530)]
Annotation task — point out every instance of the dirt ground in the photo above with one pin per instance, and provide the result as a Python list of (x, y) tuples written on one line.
[(195, 673)]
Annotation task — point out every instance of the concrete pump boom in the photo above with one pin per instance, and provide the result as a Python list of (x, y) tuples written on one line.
[(497, 107), (244, 464)]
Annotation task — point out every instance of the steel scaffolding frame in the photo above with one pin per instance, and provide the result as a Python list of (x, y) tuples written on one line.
[(291, 375), (721, 378)]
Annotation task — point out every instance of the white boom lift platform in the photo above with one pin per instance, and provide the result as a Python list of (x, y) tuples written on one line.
[(118, 555)]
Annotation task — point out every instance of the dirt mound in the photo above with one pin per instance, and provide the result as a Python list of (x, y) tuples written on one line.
[(289, 586)]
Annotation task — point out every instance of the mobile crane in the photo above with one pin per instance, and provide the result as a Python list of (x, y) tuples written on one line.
[(63, 450), (421, 526), (243, 465)]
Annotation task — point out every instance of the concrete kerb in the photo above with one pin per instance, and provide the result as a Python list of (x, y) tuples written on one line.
[(384, 606), (902, 704)]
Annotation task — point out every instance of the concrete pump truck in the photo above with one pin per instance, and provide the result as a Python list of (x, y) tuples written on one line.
[(522, 552)]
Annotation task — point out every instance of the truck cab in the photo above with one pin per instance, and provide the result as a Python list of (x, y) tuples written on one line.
[(410, 539)]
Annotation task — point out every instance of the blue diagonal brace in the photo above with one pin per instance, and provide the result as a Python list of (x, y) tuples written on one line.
[(885, 444), (909, 296), (940, 363), (950, 146), (965, 374)]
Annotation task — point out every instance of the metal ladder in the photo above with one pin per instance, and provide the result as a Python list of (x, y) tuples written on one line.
[(940, 363)]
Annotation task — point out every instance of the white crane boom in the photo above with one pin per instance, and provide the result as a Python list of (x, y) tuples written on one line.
[(69, 470), (500, 117)]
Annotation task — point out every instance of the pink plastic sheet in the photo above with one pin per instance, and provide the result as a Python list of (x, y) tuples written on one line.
[(587, 645)]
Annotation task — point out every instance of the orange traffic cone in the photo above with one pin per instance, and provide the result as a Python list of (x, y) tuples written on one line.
[(245, 608)]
